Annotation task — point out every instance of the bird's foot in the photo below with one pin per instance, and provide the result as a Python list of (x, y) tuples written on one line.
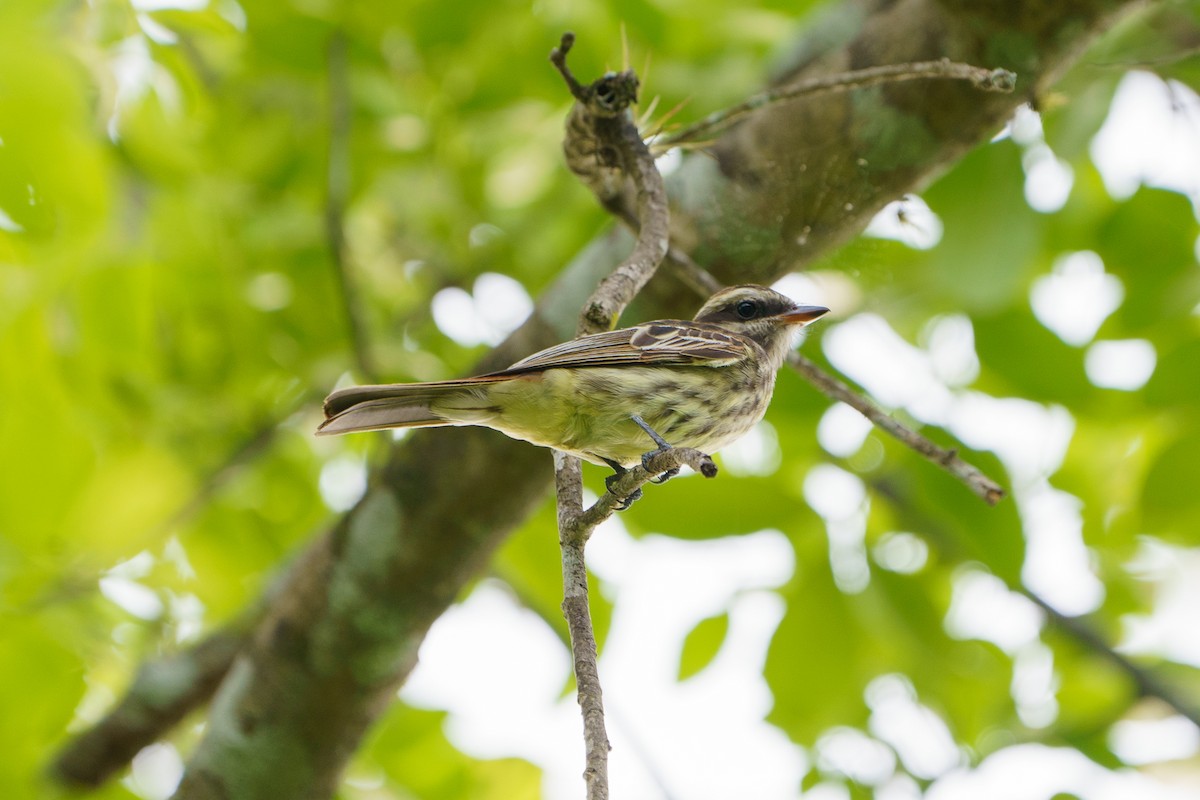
[(628, 499), (662, 477), (663, 446)]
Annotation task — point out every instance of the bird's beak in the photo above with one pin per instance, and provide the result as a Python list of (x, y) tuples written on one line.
[(802, 315)]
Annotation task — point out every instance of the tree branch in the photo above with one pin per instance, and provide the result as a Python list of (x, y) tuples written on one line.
[(705, 284), (601, 128), (163, 692), (602, 146), (993, 80), (635, 478), (1148, 683), (568, 484), (986, 488)]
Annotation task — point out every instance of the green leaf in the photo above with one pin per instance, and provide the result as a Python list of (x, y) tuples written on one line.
[(821, 658), (1023, 357), (1169, 501), (702, 644), (409, 745), (1148, 242), (1176, 381), (33, 657), (991, 236), (152, 188)]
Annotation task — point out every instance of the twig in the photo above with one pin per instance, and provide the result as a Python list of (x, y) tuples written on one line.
[(568, 486), (600, 125), (1149, 63), (702, 281), (336, 196), (704, 284), (604, 148), (1148, 683), (530, 600), (633, 479), (980, 484), (994, 80), (575, 527)]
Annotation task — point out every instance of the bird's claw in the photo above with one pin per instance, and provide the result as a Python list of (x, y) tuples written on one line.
[(666, 476), (628, 499), (663, 477), (618, 470)]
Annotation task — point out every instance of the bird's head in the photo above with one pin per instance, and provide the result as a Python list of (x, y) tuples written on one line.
[(761, 314)]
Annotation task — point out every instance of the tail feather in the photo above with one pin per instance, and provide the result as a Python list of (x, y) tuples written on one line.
[(396, 405), (380, 414)]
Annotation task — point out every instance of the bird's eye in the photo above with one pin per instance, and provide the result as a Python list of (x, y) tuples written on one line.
[(747, 309)]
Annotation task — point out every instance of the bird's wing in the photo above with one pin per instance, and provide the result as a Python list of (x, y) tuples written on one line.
[(663, 342)]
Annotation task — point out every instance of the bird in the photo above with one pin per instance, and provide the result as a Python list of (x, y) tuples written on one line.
[(604, 397)]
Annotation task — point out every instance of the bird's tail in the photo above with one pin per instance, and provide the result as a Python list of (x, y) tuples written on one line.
[(403, 405)]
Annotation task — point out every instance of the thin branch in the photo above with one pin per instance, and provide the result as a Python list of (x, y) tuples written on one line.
[(987, 489), (575, 527), (584, 521), (994, 80), (531, 601), (705, 284), (336, 197), (604, 307), (1148, 683), (601, 126), (568, 484), (702, 281), (558, 57), (446, 541), (1151, 62), (604, 148)]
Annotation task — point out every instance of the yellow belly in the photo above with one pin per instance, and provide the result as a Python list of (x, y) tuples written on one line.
[(587, 413)]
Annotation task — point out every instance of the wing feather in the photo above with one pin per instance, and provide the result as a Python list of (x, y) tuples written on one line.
[(663, 342)]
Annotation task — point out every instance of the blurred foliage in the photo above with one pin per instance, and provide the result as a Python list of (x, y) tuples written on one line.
[(170, 318)]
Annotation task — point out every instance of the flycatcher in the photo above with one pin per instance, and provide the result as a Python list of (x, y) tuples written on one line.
[(699, 384)]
